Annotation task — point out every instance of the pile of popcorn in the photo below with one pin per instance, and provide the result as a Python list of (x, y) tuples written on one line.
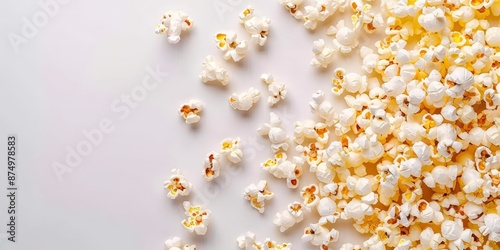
[(414, 161)]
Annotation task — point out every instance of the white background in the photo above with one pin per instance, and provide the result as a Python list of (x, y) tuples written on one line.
[(64, 80)]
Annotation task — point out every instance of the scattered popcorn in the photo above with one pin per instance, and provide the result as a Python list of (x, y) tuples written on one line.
[(172, 24), (275, 132), (176, 244), (197, 220), (177, 185), (412, 159), (191, 111), (231, 148), (232, 48), (257, 27), (213, 72), (257, 195), (277, 91), (245, 100)]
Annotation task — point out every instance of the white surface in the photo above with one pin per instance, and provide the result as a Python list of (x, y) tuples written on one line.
[(65, 79)]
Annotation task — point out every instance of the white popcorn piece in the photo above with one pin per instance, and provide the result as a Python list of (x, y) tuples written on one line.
[(312, 130), (257, 27), (345, 38), (432, 19), (319, 235), (191, 111), (257, 195), (327, 209), (319, 13), (277, 91), (491, 227), (177, 185), (176, 244), (280, 167), (232, 48), (231, 148), (197, 220), (322, 107), (459, 80), (275, 133), (244, 101), (211, 166), (212, 71), (323, 55), (293, 7), (248, 242), (172, 24), (291, 216), (492, 36)]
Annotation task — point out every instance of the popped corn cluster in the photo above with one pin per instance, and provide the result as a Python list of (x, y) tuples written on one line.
[(413, 160)]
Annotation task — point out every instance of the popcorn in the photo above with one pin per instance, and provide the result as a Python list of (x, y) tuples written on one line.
[(177, 185), (257, 195), (289, 217), (213, 72), (176, 244), (275, 132), (257, 27), (345, 38), (492, 36), (310, 195), (277, 91), (271, 245), (322, 107), (172, 24), (319, 13), (191, 111), (292, 6), (319, 235), (212, 168), (491, 227), (197, 220), (233, 49), (244, 101), (280, 167), (323, 55), (247, 241), (231, 148), (432, 19)]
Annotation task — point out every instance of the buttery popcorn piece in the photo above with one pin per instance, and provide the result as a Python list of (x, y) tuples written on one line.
[(231, 148), (233, 49), (257, 195), (177, 185), (191, 111), (197, 219)]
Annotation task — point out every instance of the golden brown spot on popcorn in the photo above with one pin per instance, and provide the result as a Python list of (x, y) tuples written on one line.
[(422, 206), (321, 132), (232, 100), (293, 182), (188, 22), (246, 12), (227, 145)]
